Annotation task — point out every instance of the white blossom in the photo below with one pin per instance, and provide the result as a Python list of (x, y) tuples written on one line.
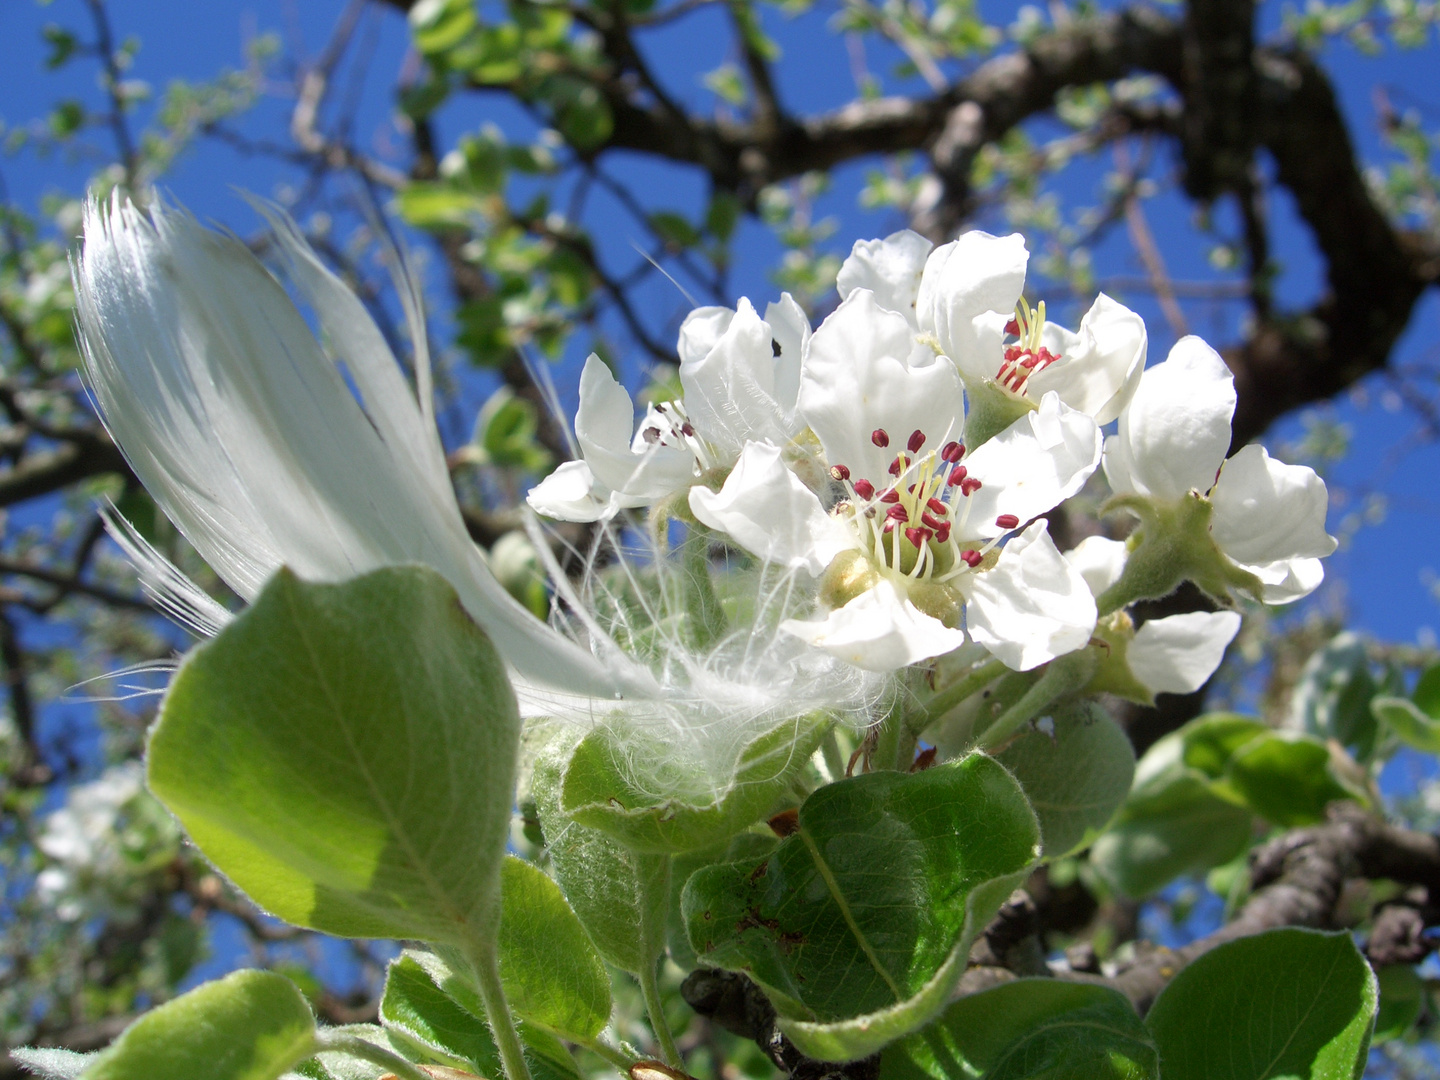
[(1268, 517)]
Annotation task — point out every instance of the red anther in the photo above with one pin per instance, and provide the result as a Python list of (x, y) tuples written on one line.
[(898, 465), (889, 527), (687, 431), (1029, 361), (916, 536), (864, 489), (972, 558), (952, 452), (917, 440), (898, 513), (929, 521), (879, 438), (943, 532), (1013, 326), (1007, 521), (839, 472), (936, 506), (890, 495), (970, 485), (1013, 353)]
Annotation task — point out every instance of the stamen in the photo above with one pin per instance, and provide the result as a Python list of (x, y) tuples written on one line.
[(865, 489), (929, 521), (952, 452), (970, 485), (889, 495), (918, 537), (943, 532), (972, 558), (917, 440), (898, 465), (880, 438), (936, 506), (839, 472), (898, 513), (1007, 521)]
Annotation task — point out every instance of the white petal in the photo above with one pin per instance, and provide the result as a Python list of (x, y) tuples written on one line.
[(889, 268), (1175, 432), (879, 630), (1289, 579), (1032, 606), (250, 439), (1117, 466), (791, 331), (164, 583), (1099, 560), (1266, 510), (865, 371), (1033, 465), (1099, 371), (568, 494), (700, 331), (730, 392), (1179, 653), (968, 277), (765, 509), (604, 426)]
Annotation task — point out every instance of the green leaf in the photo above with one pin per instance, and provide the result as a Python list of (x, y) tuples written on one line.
[(1030, 1029), (552, 974), (581, 112), (437, 206), (1285, 778), (437, 26), (1287, 1003), (346, 755), (1076, 778), (431, 1008), (603, 880), (745, 846), (251, 1025), (1331, 699), (1210, 741), (859, 924), (50, 1063), (1427, 692), (600, 788), (1402, 993), (1173, 827), (1414, 726)]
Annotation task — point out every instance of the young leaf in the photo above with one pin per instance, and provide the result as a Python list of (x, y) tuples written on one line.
[(598, 789), (745, 846), (429, 1007), (859, 924), (602, 879), (1075, 778), (1285, 778), (1028, 1030), (250, 1025), (346, 754), (1402, 994), (1280, 1004), (52, 1063), (1414, 726), (552, 974)]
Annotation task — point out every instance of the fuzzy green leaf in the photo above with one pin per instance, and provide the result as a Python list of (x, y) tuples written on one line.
[(599, 788), (250, 1025), (346, 754), (1031, 1029), (1075, 778), (859, 924), (1287, 1003)]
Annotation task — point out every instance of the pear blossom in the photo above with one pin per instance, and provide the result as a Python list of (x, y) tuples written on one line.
[(740, 377), (1176, 654), (915, 543), (248, 436), (965, 299), (1266, 518)]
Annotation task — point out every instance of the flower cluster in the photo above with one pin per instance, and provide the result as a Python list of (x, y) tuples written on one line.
[(904, 453)]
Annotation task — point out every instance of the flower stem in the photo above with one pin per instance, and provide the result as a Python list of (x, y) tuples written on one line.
[(368, 1051), (1064, 675), (834, 760), (486, 966), (653, 873), (894, 742), (706, 623), (944, 700), (602, 1049)]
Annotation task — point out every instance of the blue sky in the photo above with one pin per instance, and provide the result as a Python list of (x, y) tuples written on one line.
[(1384, 571)]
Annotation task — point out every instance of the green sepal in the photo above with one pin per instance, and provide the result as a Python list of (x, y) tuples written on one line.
[(858, 925), (1171, 545), (1112, 669), (250, 1025), (989, 410), (598, 789)]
